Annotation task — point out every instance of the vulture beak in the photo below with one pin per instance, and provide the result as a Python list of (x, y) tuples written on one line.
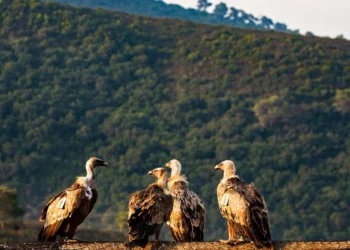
[(104, 164), (150, 173), (167, 165), (217, 167), (99, 163)]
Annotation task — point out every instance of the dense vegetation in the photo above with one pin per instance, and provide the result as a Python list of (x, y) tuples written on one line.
[(137, 92), (222, 13), (9, 204)]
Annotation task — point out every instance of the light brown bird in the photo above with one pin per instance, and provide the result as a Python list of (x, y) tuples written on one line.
[(187, 218), (243, 207), (149, 209), (68, 209)]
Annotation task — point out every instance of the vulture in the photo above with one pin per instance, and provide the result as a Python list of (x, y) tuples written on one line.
[(187, 218), (68, 209), (149, 209), (243, 207)]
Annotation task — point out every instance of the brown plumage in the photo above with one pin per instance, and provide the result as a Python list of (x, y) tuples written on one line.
[(243, 207), (149, 209), (187, 218), (68, 209)]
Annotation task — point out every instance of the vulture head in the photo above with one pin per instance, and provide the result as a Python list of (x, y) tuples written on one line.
[(95, 162), (161, 175), (157, 172), (91, 164), (228, 167), (175, 167)]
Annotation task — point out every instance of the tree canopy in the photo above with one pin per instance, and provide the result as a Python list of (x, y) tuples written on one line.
[(220, 10), (9, 204), (203, 5), (156, 8)]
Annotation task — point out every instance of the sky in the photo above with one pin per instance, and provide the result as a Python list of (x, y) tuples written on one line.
[(321, 17)]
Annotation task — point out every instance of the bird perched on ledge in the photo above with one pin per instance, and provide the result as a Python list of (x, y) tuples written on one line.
[(149, 209), (68, 209), (243, 207), (187, 218)]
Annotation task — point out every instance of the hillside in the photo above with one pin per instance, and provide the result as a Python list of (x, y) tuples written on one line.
[(137, 92), (223, 14)]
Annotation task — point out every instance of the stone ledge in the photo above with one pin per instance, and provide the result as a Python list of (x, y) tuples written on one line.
[(278, 245)]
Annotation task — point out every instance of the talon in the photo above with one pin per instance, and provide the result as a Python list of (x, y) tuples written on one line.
[(229, 242), (70, 241)]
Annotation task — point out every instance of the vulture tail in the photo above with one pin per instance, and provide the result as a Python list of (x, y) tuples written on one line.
[(44, 236), (48, 234), (40, 235), (198, 234)]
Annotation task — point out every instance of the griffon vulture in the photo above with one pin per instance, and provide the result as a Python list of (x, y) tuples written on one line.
[(243, 207), (187, 218), (149, 209), (68, 209)]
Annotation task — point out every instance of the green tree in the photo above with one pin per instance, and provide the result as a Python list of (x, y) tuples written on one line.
[(9, 203), (220, 10), (202, 5), (266, 22), (342, 101), (269, 110)]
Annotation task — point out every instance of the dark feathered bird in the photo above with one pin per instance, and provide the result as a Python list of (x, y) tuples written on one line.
[(243, 207), (187, 218), (149, 209), (68, 209)]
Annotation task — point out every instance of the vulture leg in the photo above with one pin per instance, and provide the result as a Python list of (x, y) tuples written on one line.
[(69, 237), (231, 232), (232, 236), (157, 235)]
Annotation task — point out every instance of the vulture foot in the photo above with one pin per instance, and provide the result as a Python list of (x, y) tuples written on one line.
[(70, 241), (232, 242), (241, 239)]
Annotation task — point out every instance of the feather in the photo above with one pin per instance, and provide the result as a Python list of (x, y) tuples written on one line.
[(149, 209), (187, 219), (61, 202), (245, 210), (225, 199), (68, 209)]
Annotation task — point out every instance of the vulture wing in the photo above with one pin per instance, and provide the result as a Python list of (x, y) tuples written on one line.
[(44, 211), (197, 216), (148, 210), (93, 199), (260, 225), (61, 207), (188, 216)]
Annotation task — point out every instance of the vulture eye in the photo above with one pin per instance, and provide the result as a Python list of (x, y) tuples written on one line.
[(220, 164)]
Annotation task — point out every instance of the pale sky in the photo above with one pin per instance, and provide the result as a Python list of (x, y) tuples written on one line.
[(321, 17)]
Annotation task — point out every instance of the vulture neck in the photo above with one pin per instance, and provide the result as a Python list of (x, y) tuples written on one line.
[(175, 171), (229, 172), (90, 174), (162, 181)]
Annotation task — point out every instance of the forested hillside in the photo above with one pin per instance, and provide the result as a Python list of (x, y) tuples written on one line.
[(137, 92), (222, 13)]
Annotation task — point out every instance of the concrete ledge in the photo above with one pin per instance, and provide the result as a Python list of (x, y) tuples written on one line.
[(278, 245)]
